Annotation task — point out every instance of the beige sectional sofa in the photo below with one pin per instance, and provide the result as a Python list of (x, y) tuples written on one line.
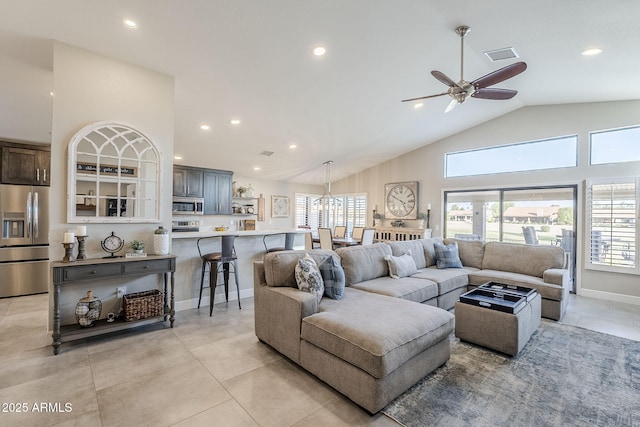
[(376, 342)]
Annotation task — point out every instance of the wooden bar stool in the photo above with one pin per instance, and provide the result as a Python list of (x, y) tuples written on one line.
[(218, 262)]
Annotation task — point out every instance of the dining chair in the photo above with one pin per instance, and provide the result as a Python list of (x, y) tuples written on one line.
[(356, 234), (340, 231), (326, 239), (367, 236), (308, 241)]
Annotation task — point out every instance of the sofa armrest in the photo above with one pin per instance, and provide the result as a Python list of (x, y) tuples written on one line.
[(556, 276), (279, 312)]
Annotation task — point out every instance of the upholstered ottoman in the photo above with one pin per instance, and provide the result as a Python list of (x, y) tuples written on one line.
[(497, 330)]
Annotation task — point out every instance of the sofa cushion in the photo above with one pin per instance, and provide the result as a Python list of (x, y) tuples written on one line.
[(546, 290), (447, 279), (279, 267), (413, 247), (429, 250), (362, 263), (333, 278), (401, 266), (471, 252), (409, 288), (308, 277), (374, 332), (531, 260), (447, 255)]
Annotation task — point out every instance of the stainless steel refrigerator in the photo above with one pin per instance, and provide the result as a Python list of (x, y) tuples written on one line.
[(24, 242)]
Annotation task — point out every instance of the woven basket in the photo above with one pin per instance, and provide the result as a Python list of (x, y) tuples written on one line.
[(141, 305)]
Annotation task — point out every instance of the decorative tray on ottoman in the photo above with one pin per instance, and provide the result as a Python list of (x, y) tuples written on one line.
[(528, 293), (501, 301)]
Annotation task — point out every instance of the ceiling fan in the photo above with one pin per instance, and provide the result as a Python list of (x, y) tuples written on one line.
[(479, 88)]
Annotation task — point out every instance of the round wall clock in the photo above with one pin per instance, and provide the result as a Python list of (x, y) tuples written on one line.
[(112, 244), (401, 200)]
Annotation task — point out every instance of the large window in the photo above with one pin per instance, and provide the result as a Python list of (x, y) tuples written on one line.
[(526, 156), (343, 209), (615, 146), (612, 212)]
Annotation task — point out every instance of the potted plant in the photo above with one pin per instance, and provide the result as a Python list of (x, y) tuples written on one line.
[(137, 246), (421, 218)]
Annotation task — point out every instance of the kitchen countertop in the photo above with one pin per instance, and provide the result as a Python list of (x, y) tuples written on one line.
[(239, 233)]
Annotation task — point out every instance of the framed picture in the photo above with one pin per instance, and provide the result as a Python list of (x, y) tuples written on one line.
[(279, 206)]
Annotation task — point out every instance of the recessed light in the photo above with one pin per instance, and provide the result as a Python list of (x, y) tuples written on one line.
[(177, 157), (418, 105), (319, 51), (592, 52), (256, 168), (292, 146), (129, 23), (205, 127), (51, 93), (234, 121)]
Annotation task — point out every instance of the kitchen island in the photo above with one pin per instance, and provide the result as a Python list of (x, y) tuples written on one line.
[(249, 247)]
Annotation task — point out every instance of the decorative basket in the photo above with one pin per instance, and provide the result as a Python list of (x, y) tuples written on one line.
[(142, 305), (88, 310)]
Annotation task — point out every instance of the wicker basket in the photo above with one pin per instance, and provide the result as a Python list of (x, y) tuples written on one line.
[(141, 305)]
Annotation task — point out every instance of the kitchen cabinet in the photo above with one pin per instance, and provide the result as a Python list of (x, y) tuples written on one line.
[(217, 192), (187, 182), (22, 164)]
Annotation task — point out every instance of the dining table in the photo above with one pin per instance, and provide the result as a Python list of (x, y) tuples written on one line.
[(339, 241)]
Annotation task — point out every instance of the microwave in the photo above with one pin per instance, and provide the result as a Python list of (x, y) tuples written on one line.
[(188, 206)]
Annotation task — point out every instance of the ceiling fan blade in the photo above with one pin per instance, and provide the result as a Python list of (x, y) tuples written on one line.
[(499, 75), (425, 97), (443, 78), (494, 93), (451, 105)]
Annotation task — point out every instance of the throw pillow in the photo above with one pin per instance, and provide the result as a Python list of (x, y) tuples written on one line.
[(401, 266), (447, 256), (333, 278), (308, 277)]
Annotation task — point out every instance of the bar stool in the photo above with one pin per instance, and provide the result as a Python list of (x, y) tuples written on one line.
[(216, 261), (289, 238)]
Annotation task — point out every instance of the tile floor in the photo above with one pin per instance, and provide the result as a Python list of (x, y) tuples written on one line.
[(204, 371)]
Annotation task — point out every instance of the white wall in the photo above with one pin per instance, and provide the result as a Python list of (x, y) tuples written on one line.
[(426, 165), (88, 88)]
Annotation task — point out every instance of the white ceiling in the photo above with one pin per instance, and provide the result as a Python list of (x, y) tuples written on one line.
[(252, 60)]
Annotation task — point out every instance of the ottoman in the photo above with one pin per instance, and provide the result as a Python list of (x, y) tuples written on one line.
[(497, 330)]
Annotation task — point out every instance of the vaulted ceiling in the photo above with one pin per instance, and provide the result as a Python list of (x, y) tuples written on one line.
[(252, 60)]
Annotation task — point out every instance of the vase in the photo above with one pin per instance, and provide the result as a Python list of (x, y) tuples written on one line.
[(161, 241)]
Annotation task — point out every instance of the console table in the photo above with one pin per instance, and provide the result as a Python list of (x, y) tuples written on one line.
[(394, 234), (108, 268)]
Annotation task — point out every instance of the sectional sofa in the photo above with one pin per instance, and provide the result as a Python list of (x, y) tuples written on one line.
[(387, 333)]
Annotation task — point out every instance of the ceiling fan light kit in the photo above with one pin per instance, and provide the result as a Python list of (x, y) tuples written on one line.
[(479, 88)]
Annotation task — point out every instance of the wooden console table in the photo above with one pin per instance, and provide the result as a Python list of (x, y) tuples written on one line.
[(395, 234), (108, 268)]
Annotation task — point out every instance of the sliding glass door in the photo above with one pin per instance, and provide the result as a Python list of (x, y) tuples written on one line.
[(532, 215)]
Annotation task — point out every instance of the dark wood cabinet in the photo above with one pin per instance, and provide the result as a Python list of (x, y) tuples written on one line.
[(22, 164), (217, 192), (187, 182)]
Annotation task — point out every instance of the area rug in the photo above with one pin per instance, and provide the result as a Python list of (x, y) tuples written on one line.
[(564, 376)]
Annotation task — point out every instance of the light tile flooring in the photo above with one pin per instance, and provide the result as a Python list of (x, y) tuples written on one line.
[(204, 371)]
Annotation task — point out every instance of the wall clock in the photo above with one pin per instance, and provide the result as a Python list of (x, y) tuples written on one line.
[(401, 200)]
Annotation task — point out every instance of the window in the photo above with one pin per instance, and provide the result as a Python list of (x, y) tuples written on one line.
[(612, 226), (615, 146), (346, 209), (534, 155)]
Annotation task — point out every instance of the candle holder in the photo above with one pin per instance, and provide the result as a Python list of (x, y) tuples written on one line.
[(81, 247), (428, 217), (68, 252)]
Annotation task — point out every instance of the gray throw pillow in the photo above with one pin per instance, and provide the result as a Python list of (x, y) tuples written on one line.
[(401, 266), (333, 278), (447, 256), (308, 277)]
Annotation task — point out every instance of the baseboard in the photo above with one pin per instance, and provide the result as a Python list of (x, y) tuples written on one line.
[(609, 296), (193, 303)]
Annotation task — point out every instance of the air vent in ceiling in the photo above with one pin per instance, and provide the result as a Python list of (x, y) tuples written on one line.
[(502, 54), (266, 153)]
